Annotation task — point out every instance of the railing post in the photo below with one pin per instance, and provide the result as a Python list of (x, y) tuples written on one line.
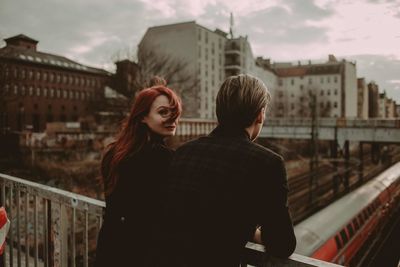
[(58, 248)]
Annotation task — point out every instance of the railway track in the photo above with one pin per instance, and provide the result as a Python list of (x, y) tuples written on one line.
[(303, 205)]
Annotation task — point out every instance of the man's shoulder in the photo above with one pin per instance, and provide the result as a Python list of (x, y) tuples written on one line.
[(264, 153)]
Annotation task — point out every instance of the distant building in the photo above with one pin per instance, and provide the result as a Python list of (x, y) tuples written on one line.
[(382, 106), (211, 56), (373, 100), (390, 108), (333, 83), (124, 80), (41, 87), (362, 99)]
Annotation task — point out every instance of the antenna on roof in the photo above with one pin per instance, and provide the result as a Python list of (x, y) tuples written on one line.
[(231, 26)]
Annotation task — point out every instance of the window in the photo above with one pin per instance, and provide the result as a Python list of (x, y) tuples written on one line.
[(51, 92), (65, 78), (339, 244), (350, 230), (329, 92), (370, 211), (44, 76), (30, 75), (310, 80), (335, 79), (51, 77), (328, 79), (322, 92), (292, 106), (37, 91), (322, 80), (335, 91), (71, 94), (58, 93), (23, 74), (301, 87), (335, 104), (343, 234), (292, 81), (45, 92), (58, 78), (280, 82), (365, 214), (360, 219), (38, 75), (23, 90), (30, 90), (15, 90), (356, 224)]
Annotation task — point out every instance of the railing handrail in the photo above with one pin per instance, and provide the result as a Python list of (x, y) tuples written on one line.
[(70, 199)]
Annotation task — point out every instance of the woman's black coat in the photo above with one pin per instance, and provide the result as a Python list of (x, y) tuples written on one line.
[(133, 209)]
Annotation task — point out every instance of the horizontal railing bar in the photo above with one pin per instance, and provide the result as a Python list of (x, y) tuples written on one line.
[(70, 199)]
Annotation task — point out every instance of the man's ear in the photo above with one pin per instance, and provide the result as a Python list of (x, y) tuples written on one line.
[(261, 116)]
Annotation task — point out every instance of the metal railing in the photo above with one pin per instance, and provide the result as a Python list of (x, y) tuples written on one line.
[(53, 227), (49, 226)]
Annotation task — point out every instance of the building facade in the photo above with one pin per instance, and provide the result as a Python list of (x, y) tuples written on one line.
[(211, 56), (39, 87), (373, 100), (362, 99)]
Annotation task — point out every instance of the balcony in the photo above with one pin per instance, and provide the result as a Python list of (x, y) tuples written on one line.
[(52, 227)]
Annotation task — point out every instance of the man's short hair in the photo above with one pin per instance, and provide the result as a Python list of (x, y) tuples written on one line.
[(240, 99)]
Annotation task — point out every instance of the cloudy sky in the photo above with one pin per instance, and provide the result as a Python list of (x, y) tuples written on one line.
[(94, 32)]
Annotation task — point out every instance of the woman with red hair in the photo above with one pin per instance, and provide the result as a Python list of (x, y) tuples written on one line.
[(134, 170)]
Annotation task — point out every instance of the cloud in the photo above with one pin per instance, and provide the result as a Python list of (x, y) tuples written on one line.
[(75, 28)]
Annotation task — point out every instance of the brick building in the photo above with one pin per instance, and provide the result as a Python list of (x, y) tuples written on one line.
[(38, 87)]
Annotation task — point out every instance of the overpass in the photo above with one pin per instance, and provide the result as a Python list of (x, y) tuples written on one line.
[(371, 130)]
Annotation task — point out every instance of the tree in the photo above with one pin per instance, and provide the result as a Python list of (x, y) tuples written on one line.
[(150, 63)]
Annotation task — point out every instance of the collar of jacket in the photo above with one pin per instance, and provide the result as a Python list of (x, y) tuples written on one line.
[(225, 131)]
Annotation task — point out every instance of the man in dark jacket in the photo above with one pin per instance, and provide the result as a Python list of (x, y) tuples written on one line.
[(224, 186)]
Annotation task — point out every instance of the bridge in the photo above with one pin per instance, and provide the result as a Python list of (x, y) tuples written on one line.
[(53, 227), (371, 130)]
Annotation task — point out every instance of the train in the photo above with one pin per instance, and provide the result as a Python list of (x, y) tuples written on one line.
[(340, 232)]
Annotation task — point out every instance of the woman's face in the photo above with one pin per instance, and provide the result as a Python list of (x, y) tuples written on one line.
[(158, 118)]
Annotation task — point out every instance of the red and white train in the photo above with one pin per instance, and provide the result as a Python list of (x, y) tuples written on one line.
[(338, 232)]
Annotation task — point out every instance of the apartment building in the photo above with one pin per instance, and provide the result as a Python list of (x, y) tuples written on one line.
[(211, 56), (39, 87)]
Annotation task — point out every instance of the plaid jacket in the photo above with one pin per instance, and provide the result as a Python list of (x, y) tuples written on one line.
[(221, 188)]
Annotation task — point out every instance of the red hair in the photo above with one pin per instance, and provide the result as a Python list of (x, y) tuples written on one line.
[(134, 134)]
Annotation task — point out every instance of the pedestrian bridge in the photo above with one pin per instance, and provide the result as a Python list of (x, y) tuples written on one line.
[(371, 130), (52, 227)]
